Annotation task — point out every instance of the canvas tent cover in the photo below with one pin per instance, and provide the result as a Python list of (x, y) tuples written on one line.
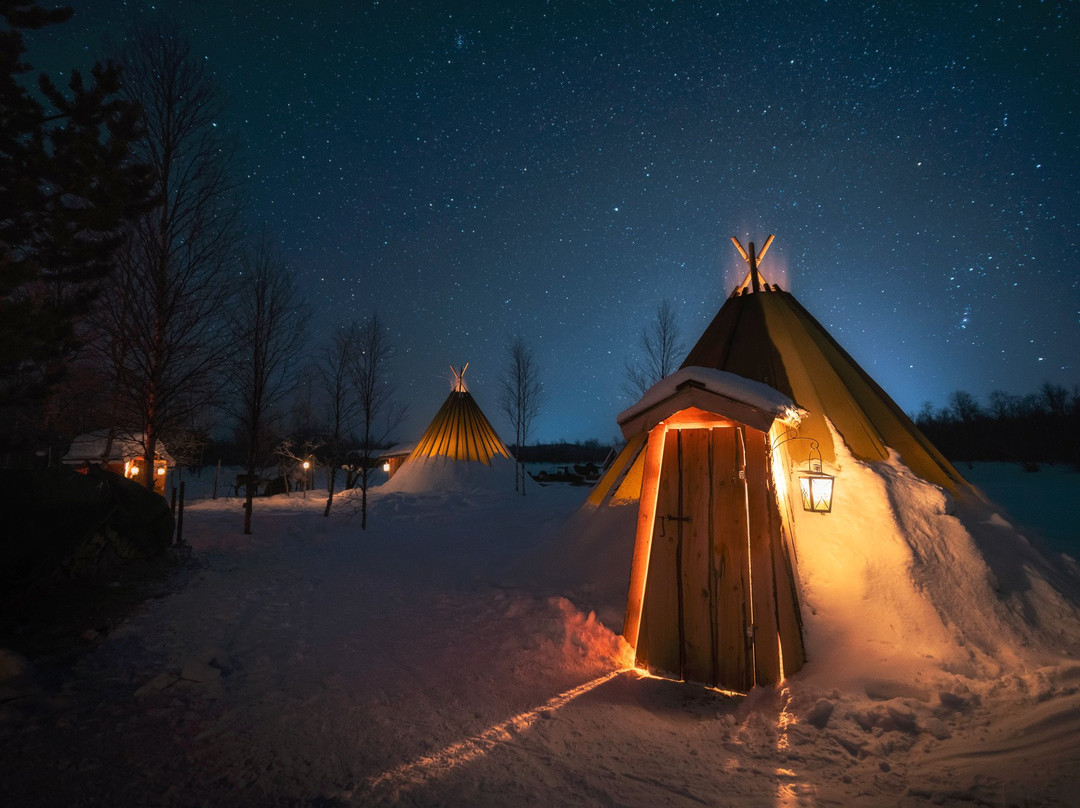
[(770, 338), (460, 430)]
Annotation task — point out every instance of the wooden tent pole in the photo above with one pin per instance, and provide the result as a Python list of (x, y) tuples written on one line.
[(753, 258), (754, 277), (750, 639)]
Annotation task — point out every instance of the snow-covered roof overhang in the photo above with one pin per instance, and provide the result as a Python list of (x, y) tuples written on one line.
[(715, 391), (398, 450), (91, 448)]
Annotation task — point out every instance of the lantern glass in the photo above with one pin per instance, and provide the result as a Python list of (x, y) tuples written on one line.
[(386, 466), (817, 490)]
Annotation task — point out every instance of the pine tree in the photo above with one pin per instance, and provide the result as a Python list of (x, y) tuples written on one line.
[(68, 186)]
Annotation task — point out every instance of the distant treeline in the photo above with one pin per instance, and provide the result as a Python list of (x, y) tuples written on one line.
[(591, 451), (1042, 427), (231, 453)]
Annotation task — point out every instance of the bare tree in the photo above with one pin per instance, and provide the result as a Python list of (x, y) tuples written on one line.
[(377, 412), (1055, 398), (165, 340), (335, 376), (662, 350), (963, 408), (268, 328), (521, 399)]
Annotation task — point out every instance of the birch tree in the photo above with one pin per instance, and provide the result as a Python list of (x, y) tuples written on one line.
[(662, 351), (521, 399), (166, 344), (268, 328), (377, 412), (335, 374)]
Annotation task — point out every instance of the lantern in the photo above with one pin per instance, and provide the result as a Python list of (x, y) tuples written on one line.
[(817, 489), (815, 485)]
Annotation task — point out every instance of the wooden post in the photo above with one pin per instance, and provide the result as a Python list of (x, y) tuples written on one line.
[(217, 476), (639, 568), (180, 516), (680, 515)]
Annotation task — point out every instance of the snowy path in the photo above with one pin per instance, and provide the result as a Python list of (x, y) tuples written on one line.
[(313, 664)]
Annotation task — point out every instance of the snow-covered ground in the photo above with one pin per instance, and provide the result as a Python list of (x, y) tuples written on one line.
[(449, 655)]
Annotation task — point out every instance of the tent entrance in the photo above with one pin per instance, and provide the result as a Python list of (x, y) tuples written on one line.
[(719, 584)]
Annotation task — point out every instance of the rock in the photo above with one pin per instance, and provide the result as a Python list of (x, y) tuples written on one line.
[(14, 666), (195, 670), (157, 684)]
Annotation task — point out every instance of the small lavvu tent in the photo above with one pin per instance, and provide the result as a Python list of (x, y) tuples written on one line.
[(460, 447)]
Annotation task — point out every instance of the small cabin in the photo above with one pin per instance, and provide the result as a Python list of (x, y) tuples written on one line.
[(124, 456), (394, 457)]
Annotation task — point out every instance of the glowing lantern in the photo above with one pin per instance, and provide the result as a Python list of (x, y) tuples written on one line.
[(817, 489), (815, 485), (386, 466), (161, 471), (134, 471)]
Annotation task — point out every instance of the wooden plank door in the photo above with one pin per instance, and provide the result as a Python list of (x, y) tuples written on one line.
[(697, 603)]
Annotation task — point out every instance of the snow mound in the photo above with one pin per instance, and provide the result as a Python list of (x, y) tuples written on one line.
[(902, 582), (421, 475)]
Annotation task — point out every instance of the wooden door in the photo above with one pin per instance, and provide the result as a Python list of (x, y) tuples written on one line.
[(698, 601), (720, 604)]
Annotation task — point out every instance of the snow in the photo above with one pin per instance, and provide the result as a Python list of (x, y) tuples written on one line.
[(443, 474), (730, 385), (464, 650)]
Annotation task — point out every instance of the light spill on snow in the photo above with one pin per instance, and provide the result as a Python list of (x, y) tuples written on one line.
[(430, 767), (463, 652)]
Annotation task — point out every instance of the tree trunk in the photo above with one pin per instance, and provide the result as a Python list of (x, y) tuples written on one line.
[(363, 491), (249, 494), (331, 476), (150, 442)]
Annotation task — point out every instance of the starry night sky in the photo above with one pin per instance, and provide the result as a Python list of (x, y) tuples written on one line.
[(476, 170)]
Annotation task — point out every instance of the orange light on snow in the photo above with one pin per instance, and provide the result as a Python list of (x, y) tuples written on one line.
[(408, 775)]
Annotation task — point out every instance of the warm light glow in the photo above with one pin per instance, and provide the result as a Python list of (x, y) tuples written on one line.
[(645, 673), (161, 472), (439, 763), (386, 466), (134, 471), (817, 491), (307, 465), (639, 565)]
